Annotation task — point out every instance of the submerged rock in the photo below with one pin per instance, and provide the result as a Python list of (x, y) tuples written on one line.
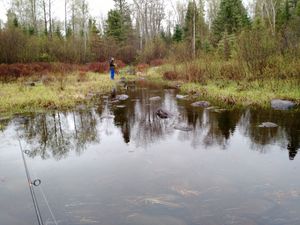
[(203, 104), (219, 110), (181, 97), (156, 98), (183, 128), (282, 104), (81, 107), (108, 117), (268, 125), (121, 106), (163, 114), (114, 101), (122, 97)]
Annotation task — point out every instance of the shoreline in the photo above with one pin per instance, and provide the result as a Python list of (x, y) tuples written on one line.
[(76, 88)]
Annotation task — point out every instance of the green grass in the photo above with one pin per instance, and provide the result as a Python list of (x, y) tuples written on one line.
[(60, 93), (236, 93), (243, 93)]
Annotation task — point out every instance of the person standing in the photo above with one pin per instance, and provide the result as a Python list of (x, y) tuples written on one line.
[(112, 67)]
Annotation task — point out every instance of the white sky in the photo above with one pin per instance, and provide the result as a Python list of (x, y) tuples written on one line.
[(97, 8)]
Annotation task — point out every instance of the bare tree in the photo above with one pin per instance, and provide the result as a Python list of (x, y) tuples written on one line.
[(212, 10), (150, 15)]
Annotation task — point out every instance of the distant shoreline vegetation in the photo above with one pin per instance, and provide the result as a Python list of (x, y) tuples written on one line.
[(213, 48)]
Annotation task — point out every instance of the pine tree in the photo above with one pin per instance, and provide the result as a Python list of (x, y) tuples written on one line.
[(178, 33), (118, 24), (231, 18), (114, 25)]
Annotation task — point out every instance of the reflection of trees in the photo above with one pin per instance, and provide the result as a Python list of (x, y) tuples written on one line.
[(148, 128), (57, 133), (4, 123), (287, 134), (210, 128)]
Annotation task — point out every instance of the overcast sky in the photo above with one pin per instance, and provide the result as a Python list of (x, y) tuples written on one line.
[(97, 8)]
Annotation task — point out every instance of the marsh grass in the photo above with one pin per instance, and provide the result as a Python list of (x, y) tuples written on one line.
[(59, 92)]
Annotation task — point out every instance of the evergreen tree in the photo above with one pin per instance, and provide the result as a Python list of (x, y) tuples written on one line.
[(231, 18), (119, 23), (178, 33), (188, 26), (114, 25), (200, 25)]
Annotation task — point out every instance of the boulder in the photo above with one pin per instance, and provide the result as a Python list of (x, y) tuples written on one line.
[(279, 104), (122, 97), (181, 97), (156, 98), (163, 114), (268, 125), (183, 128), (108, 117), (203, 104), (121, 106)]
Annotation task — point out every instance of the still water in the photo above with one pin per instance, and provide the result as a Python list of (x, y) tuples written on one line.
[(118, 163)]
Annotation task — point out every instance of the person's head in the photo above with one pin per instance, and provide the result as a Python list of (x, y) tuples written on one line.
[(112, 59)]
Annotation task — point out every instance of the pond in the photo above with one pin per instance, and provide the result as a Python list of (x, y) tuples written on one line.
[(118, 163)]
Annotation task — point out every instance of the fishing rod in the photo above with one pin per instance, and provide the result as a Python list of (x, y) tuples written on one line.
[(31, 184)]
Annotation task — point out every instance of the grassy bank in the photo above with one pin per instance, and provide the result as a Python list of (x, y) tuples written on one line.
[(51, 92), (228, 92)]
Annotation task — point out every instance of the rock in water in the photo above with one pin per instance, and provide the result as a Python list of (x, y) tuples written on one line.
[(181, 97), (122, 97), (268, 125), (156, 98), (183, 128), (163, 114), (279, 104), (203, 104)]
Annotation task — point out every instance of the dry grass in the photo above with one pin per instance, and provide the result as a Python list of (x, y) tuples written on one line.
[(54, 92)]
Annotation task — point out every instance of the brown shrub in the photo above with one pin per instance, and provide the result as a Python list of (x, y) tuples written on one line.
[(9, 72), (101, 67), (142, 67), (196, 73), (170, 75), (82, 77), (157, 62), (231, 71)]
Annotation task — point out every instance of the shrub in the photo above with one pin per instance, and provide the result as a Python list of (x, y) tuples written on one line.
[(157, 62), (170, 75), (255, 47), (142, 67), (232, 71)]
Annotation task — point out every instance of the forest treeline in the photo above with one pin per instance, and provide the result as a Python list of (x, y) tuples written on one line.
[(264, 33)]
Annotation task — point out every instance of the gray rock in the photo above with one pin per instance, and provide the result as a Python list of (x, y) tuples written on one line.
[(122, 97), (31, 84), (4, 119), (81, 107), (121, 106), (181, 97), (203, 104), (268, 125), (114, 101), (108, 117), (156, 98), (163, 114), (279, 104), (183, 128)]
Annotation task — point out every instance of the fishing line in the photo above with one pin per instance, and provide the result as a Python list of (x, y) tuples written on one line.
[(37, 183), (31, 183)]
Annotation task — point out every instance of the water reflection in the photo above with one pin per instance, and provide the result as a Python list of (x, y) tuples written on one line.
[(55, 134)]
